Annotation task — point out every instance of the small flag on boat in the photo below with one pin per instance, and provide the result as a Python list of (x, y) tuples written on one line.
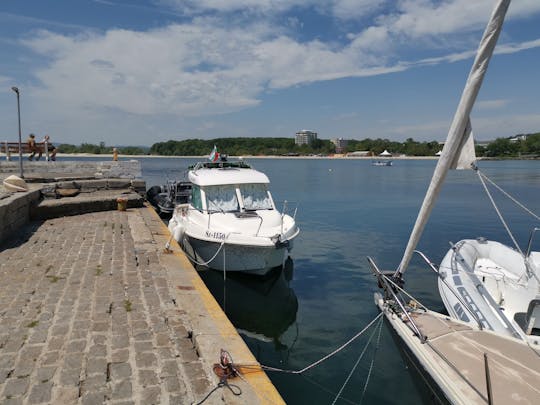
[(214, 156)]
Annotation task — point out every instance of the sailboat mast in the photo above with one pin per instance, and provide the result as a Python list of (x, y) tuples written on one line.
[(460, 129)]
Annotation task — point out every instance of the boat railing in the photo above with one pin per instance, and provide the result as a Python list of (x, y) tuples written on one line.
[(454, 292), (287, 205), (531, 237), (389, 290)]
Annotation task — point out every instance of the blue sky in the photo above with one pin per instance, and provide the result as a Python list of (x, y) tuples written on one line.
[(139, 72)]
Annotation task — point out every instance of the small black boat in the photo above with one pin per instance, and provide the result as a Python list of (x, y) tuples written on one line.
[(165, 197)]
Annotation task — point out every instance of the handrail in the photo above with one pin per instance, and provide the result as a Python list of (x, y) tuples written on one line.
[(467, 307), (388, 288), (529, 245)]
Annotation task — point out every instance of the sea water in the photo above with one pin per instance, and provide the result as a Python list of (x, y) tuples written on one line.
[(348, 210)]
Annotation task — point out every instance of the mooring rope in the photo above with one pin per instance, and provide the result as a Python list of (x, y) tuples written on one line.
[(194, 260), (377, 345), (340, 348), (356, 365)]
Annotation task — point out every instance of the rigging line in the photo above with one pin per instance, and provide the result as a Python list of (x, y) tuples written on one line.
[(499, 214), (372, 362), (325, 389), (343, 346), (356, 364), (405, 292), (509, 196)]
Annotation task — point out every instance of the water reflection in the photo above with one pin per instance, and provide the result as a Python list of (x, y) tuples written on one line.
[(259, 307)]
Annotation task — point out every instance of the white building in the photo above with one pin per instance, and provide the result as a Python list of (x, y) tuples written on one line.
[(305, 137)]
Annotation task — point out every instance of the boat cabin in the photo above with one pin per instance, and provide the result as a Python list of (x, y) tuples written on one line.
[(237, 189)]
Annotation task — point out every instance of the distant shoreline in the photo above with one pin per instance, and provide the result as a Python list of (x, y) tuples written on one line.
[(124, 157)]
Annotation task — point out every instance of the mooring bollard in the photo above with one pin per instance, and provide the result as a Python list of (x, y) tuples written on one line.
[(122, 203)]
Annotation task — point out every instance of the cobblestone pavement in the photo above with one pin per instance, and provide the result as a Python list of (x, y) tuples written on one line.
[(87, 316)]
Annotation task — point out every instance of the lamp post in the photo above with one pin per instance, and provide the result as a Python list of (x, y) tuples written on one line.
[(16, 90)]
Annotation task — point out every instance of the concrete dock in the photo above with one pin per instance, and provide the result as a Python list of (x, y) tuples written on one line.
[(93, 310)]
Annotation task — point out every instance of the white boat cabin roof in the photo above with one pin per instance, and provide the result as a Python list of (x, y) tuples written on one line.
[(221, 176)]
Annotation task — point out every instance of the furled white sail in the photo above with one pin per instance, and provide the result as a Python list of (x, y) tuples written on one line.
[(467, 155), (459, 139)]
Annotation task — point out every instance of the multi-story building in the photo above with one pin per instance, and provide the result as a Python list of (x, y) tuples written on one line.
[(341, 144), (305, 137)]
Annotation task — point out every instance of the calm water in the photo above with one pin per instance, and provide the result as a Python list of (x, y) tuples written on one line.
[(348, 210)]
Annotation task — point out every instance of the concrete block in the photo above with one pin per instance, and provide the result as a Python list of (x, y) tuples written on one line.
[(115, 184), (68, 185)]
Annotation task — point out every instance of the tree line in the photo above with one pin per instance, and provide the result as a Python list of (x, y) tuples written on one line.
[(500, 147)]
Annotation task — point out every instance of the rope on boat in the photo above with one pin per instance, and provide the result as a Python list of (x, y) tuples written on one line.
[(499, 213), (194, 260), (508, 195), (340, 348)]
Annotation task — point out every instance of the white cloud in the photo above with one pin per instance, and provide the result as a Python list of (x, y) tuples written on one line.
[(209, 66), (491, 104)]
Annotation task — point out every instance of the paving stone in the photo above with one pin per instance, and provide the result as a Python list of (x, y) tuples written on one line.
[(44, 374), (148, 377), (96, 365), (16, 386), (70, 377), (151, 395), (93, 398), (76, 346), (120, 356), (143, 346), (73, 360), (120, 371), (94, 383), (65, 395), (172, 384), (40, 393), (146, 360), (122, 390), (13, 401)]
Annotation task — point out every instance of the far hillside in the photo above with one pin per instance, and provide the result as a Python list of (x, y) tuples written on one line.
[(518, 146)]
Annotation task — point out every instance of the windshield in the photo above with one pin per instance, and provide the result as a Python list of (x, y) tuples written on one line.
[(255, 197), (221, 198)]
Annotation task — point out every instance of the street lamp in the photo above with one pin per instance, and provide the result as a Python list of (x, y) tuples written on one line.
[(16, 90)]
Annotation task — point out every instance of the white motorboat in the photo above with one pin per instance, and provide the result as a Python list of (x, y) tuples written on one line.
[(485, 351), (231, 222)]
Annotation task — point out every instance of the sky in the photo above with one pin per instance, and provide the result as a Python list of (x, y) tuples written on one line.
[(133, 72)]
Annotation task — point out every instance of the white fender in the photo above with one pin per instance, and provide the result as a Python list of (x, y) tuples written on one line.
[(178, 232)]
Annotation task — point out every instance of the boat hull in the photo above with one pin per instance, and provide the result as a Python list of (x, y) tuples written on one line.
[(244, 258), (490, 278)]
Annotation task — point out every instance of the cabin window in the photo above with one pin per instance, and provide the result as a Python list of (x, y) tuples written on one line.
[(196, 200), (221, 198), (255, 197)]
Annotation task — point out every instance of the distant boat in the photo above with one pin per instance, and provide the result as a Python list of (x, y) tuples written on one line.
[(381, 163), (487, 350)]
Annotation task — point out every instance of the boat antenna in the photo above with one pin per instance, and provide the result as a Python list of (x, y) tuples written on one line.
[(459, 134)]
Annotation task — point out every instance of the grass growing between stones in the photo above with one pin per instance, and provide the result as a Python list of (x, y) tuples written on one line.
[(54, 279), (99, 270), (127, 305), (32, 324)]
